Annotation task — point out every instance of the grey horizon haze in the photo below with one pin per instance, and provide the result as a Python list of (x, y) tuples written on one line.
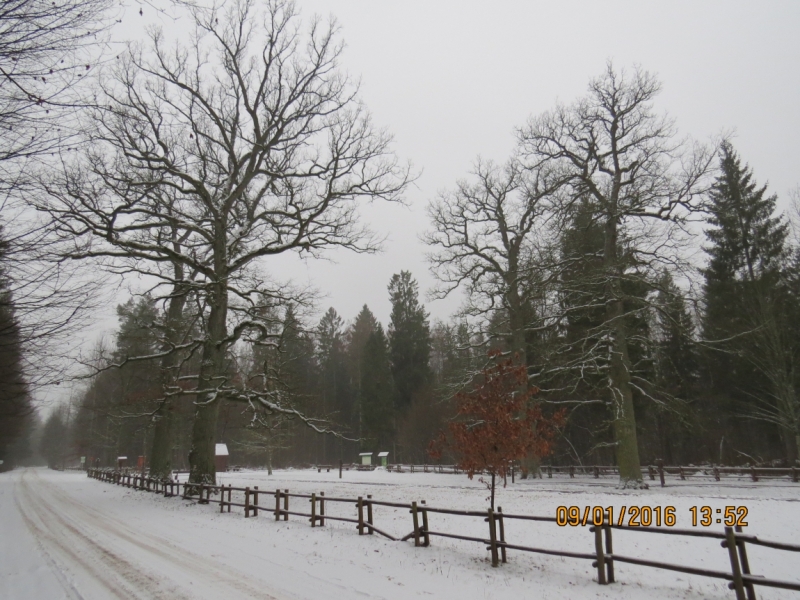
[(451, 80)]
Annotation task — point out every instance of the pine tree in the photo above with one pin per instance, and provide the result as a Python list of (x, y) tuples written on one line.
[(357, 335), (747, 242), (745, 322), (335, 394), (409, 339), (675, 435), (298, 374), (15, 402), (377, 393)]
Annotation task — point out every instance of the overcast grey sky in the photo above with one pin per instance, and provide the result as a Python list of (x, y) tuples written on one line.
[(452, 79)]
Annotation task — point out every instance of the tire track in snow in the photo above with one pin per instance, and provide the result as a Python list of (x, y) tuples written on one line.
[(117, 576), (211, 573)]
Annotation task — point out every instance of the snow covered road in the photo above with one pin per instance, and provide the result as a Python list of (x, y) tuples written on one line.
[(63, 535), (55, 546)]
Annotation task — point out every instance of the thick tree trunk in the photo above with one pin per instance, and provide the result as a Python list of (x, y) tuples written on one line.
[(161, 452), (788, 416), (517, 322), (790, 445), (161, 455), (619, 371), (212, 377)]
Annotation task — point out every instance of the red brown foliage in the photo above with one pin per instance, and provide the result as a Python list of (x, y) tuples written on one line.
[(496, 423)]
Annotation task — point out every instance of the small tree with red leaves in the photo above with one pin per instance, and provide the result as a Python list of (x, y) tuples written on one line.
[(497, 423)]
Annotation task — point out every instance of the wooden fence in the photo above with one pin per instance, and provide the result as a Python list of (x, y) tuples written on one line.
[(659, 470), (603, 558)]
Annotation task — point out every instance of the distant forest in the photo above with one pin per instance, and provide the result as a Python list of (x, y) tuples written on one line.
[(714, 377)]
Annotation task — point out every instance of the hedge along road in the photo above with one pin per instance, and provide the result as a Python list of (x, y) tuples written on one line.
[(55, 546)]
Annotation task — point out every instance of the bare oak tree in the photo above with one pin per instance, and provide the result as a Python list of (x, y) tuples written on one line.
[(487, 238), (46, 48), (247, 144), (613, 149)]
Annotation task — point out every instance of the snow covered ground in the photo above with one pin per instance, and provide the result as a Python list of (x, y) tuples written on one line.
[(63, 535)]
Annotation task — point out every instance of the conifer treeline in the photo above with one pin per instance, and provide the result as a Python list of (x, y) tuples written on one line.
[(376, 388), (715, 376)]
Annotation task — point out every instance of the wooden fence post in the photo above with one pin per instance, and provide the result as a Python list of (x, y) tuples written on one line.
[(492, 538), (660, 464), (246, 502), (794, 474), (222, 500), (416, 522), (596, 472), (609, 558), (340, 468), (681, 473), (426, 538), (572, 471), (740, 546), (255, 501), (651, 472), (322, 509), (737, 583), (286, 505), (753, 473), (600, 562), (502, 533), (313, 501), (369, 514), (716, 473), (360, 505), (277, 505)]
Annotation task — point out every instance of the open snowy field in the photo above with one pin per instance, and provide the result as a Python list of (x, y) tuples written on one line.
[(63, 535)]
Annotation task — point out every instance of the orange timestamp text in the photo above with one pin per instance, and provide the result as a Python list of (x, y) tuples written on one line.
[(648, 516)]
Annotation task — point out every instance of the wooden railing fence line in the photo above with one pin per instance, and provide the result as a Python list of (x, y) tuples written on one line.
[(741, 580), (659, 470)]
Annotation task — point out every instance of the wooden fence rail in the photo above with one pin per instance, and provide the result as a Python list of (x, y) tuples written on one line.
[(603, 558), (597, 471)]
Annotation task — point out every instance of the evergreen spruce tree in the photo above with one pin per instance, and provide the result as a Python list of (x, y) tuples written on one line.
[(15, 403), (377, 393), (335, 393), (409, 339), (357, 335), (297, 371), (751, 365), (675, 436)]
